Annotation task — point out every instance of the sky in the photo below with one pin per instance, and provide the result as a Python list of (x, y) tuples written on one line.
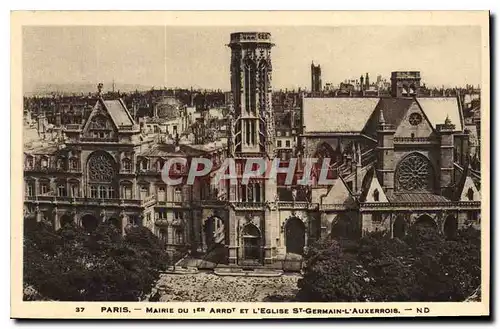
[(158, 56)]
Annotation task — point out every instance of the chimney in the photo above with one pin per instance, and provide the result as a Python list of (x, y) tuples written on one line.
[(99, 89)]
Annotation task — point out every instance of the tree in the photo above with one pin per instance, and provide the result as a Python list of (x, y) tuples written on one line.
[(422, 267), (330, 276), (71, 265)]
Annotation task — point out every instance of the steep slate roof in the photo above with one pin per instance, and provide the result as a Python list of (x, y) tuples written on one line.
[(438, 108), (43, 149), (337, 114), (416, 198), (118, 112), (164, 150)]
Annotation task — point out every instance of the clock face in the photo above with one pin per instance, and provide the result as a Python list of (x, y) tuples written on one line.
[(415, 119)]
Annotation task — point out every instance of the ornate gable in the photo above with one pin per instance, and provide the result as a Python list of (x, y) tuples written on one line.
[(100, 125), (414, 124), (374, 191), (469, 191)]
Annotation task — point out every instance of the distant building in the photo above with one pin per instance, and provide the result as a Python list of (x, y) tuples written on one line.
[(405, 83), (315, 78)]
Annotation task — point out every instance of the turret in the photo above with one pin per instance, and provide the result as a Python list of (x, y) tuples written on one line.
[(385, 152), (446, 132)]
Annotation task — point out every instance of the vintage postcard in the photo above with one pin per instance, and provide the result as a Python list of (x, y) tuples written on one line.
[(170, 165)]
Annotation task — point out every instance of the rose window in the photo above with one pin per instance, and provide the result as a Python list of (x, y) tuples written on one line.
[(101, 168), (414, 173), (415, 119)]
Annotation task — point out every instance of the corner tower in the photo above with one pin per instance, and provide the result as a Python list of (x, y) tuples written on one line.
[(253, 126)]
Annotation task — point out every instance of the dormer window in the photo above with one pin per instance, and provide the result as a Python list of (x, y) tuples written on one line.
[(376, 195)]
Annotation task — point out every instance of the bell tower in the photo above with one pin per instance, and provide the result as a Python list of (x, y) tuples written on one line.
[(253, 122), (253, 219)]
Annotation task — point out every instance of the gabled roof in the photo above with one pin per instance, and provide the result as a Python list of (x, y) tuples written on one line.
[(437, 109), (337, 114), (339, 194), (394, 110), (369, 185), (118, 112), (464, 184)]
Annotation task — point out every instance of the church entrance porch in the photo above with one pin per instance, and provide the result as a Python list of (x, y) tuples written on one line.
[(295, 236), (251, 243)]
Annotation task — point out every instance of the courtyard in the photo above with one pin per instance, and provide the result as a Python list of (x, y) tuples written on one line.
[(209, 287)]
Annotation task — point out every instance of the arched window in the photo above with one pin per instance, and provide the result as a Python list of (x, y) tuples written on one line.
[(143, 164), (93, 192), (414, 173), (376, 195), (250, 85), (470, 194), (257, 192), (74, 188)]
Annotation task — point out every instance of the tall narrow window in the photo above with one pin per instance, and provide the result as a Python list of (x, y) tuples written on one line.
[(44, 187), (93, 192), (257, 192), (61, 189), (44, 162), (111, 192), (30, 188), (102, 192), (470, 194), (375, 195), (74, 189), (127, 165)]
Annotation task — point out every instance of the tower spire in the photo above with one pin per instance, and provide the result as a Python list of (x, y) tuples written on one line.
[(381, 119)]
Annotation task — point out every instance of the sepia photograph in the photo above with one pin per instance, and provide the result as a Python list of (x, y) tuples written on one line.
[(260, 163)]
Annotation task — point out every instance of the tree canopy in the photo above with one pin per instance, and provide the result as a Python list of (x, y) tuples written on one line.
[(421, 267), (72, 265)]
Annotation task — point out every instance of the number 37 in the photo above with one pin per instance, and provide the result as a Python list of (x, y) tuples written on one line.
[(79, 309)]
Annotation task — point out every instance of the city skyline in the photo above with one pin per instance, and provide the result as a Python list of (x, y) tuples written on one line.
[(185, 57)]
